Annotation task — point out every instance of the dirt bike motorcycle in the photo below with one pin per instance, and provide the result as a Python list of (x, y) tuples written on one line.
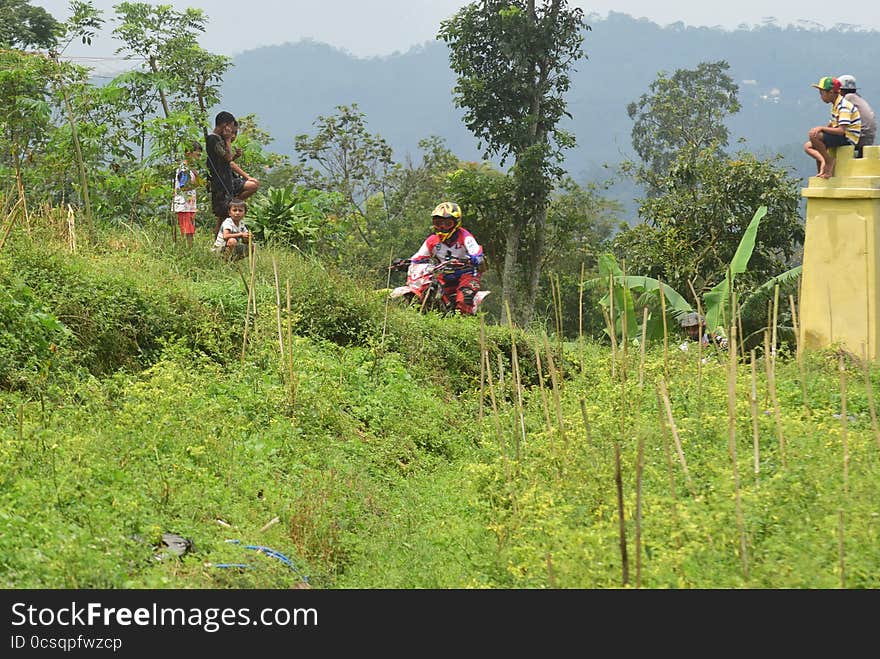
[(424, 285)]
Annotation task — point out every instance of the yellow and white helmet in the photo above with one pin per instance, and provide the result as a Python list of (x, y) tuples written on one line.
[(446, 219)]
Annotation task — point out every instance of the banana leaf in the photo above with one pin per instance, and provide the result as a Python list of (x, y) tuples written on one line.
[(717, 300)]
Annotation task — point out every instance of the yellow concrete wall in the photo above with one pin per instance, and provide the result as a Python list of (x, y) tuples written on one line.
[(840, 289)]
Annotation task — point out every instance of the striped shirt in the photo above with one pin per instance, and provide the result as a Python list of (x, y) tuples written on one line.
[(846, 115), (869, 119)]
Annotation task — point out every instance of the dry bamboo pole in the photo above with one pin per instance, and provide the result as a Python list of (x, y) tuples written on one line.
[(247, 320), (753, 406), (559, 333), (613, 326), (252, 264), (388, 299), (544, 403), (674, 430), (742, 336), (10, 221), (555, 380), (670, 467), (291, 379), (775, 321), (665, 329), (870, 394), (497, 419), (610, 328), (642, 347), (520, 439), (621, 522), (799, 354), (731, 435), (771, 385), (71, 229), (699, 345), (581, 317), (640, 462), (278, 308)]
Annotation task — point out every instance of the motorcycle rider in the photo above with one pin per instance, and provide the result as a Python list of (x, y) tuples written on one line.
[(452, 241)]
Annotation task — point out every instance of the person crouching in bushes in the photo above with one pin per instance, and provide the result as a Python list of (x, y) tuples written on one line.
[(233, 238)]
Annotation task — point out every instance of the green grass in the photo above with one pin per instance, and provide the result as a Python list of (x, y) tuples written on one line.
[(139, 416)]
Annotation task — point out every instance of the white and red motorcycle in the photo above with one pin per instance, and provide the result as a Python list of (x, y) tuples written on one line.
[(424, 285)]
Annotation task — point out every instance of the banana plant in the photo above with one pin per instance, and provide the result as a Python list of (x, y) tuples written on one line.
[(716, 301)]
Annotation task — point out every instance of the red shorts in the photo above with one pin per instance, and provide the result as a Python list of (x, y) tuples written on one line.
[(186, 221)]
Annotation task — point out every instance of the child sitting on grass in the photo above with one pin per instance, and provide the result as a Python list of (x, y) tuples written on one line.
[(233, 238)]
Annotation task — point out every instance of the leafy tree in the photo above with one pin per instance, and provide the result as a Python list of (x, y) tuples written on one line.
[(24, 26), (700, 214), (682, 112), (349, 160), (512, 58), (155, 32)]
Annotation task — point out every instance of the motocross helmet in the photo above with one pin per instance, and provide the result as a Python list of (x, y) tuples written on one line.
[(446, 219)]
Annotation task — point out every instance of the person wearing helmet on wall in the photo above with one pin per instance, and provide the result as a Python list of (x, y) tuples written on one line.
[(450, 240), (869, 119)]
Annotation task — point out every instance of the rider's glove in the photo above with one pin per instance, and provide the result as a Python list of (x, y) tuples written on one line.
[(399, 264), (476, 260)]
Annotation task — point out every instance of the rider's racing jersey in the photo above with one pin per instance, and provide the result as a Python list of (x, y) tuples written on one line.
[(460, 245)]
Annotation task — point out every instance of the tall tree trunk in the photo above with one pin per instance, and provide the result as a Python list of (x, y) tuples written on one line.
[(508, 277), (155, 68), (536, 257)]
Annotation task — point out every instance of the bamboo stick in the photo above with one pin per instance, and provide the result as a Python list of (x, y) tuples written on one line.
[(544, 403), (291, 379), (700, 329), (586, 421), (771, 384), (799, 355), (753, 405), (517, 383), (278, 308), (775, 321), (640, 462), (674, 430), (665, 329), (621, 524), (613, 328), (731, 434), (581, 317), (556, 399), (642, 347), (610, 328)]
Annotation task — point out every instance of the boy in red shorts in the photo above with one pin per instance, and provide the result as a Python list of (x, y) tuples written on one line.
[(185, 181)]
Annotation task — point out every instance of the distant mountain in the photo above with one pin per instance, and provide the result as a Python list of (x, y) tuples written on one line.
[(408, 96)]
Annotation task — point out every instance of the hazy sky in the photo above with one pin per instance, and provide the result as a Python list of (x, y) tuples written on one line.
[(381, 27)]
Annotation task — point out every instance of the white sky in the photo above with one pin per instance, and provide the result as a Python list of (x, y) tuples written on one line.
[(381, 27)]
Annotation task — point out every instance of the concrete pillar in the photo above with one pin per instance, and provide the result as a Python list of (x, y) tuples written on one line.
[(840, 286)]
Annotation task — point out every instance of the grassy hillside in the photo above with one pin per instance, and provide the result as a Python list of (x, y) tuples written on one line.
[(362, 455)]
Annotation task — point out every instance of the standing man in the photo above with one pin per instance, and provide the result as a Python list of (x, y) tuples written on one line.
[(869, 119), (226, 183), (845, 127)]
